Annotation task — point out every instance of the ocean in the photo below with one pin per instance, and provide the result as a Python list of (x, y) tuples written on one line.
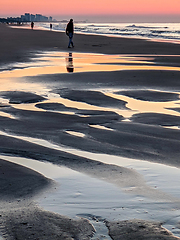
[(153, 31)]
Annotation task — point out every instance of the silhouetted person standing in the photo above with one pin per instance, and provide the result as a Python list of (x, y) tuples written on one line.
[(70, 32), (32, 25)]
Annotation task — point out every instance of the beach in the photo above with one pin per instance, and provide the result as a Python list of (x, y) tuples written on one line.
[(89, 137)]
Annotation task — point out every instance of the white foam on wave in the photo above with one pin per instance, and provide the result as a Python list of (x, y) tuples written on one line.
[(165, 31)]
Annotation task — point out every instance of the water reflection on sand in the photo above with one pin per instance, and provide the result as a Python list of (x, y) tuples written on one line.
[(79, 193), (54, 62)]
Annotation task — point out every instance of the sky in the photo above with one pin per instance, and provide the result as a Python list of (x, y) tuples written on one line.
[(94, 9)]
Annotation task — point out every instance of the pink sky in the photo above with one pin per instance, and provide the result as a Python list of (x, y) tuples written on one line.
[(90, 7)]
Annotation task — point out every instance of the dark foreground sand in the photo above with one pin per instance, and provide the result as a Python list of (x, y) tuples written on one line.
[(142, 138)]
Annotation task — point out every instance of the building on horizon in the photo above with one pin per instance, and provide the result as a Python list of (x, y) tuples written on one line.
[(33, 17), (27, 17), (40, 18)]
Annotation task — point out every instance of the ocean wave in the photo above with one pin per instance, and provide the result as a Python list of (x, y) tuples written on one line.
[(160, 31), (145, 27), (145, 30), (97, 26)]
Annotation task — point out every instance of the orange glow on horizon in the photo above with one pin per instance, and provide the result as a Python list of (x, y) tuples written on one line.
[(91, 7)]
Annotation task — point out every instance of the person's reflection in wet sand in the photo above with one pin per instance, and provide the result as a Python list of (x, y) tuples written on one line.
[(69, 63)]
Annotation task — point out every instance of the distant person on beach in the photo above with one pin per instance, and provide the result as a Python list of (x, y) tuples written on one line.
[(50, 26), (32, 25), (70, 32)]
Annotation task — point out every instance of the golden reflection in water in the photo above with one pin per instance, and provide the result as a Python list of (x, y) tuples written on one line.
[(69, 63), (72, 104), (139, 106), (4, 114), (54, 63), (16, 84), (134, 105), (61, 62), (100, 127), (172, 127), (76, 134)]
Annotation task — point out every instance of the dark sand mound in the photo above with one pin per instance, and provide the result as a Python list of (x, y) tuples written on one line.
[(62, 108), (17, 97), (55, 107), (53, 120), (135, 79), (33, 223), (17, 181), (128, 139), (152, 96), (138, 229), (154, 131), (117, 175), (168, 60), (156, 119), (92, 97)]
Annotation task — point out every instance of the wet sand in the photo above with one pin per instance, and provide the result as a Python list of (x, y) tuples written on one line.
[(19, 44), (51, 112)]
